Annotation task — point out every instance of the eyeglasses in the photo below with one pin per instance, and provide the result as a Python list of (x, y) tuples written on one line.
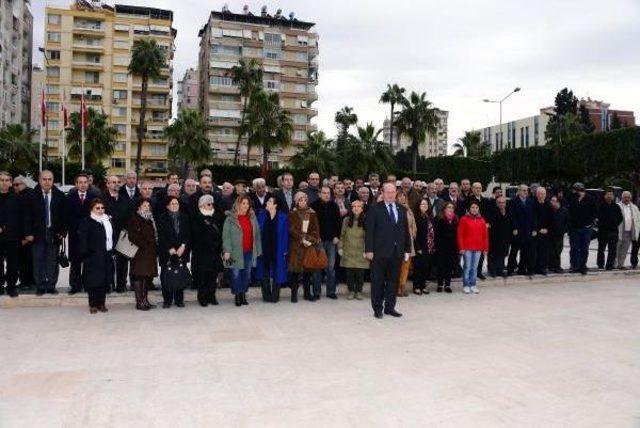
[(98, 208), (208, 204)]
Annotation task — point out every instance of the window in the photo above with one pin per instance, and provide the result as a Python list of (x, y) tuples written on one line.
[(91, 77), (301, 88), (53, 89), (121, 44), (228, 98), (302, 56), (158, 115), (300, 135), (119, 95), (54, 124), (53, 36), (119, 146), (93, 58), (272, 53), (159, 149), (227, 50), (221, 81), (53, 19), (121, 60), (271, 39), (300, 119), (54, 55), (120, 128), (225, 114), (53, 107), (272, 85), (119, 111), (526, 137), (117, 163), (120, 77), (224, 132), (521, 137)]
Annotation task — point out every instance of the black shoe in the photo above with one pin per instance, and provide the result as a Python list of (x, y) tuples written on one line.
[(331, 296), (439, 289), (204, 304), (39, 293), (53, 292), (481, 276), (294, 298), (180, 305), (583, 271), (314, 298), (378, 314), (166, 305), (425, 291), (214, 301), (72, 292), (243, 299), (121, 290), (142, 307), (238, 301), (2, 290), (393, 313), (448, 289), (12, 292)]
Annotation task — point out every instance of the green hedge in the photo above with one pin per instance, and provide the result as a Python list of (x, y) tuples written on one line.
[(451, 168)]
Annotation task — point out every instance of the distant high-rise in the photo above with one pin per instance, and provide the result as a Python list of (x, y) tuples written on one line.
[(16, 45), (88, 47), (287, 51), (188, 91), (432, 146)]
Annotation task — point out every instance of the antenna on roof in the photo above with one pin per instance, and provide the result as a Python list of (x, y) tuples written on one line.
[(225, 8), (292, 16), (263, 11), (245, 9), (278, 14)]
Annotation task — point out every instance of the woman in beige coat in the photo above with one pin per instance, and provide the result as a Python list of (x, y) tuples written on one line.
[(351, 250)]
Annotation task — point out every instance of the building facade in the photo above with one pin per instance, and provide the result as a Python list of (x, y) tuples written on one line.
[(530, 131), (16, 46), (88, 47), (287, 51), (433, 145), (188, 90)]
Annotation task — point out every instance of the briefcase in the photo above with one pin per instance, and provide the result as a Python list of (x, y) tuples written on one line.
[(124, 246)]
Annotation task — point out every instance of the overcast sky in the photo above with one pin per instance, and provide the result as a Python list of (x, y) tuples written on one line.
[(458, 52)]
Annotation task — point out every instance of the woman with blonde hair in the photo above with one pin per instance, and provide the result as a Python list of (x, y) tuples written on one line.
[(401, 199)]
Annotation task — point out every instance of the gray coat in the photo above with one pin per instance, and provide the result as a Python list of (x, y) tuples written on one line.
[(232, 240)]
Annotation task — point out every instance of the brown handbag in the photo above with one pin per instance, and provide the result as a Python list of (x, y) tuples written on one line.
[(315, 258)]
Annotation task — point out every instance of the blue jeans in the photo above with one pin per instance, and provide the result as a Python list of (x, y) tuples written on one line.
[(330, 249), (470, 269), (579, 240), (240, 277)]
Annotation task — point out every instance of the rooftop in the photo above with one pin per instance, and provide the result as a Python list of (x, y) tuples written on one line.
[(277, 20)]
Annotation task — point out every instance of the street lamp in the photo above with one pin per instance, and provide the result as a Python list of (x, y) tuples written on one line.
[(517, 89), (46, 121)]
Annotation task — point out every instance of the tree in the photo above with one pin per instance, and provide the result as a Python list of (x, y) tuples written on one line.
[(269, 124), (147, 61), (471, 145), (417, 120), (188, 140), (392, 96), (100, 137), (616, 123), (247, 76), (561, 129), (365, 153), (566, 103), (17, 150), (585, 120), (344, 119), (317, 155)]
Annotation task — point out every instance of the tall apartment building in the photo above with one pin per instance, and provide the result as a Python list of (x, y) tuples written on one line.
[(16, 46), (287, 51), (432, 146), (37, 82), (530, 131), (89, 47), (188, 91)]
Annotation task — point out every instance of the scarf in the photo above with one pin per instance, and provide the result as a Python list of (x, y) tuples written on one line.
[(174, 217), (108, 230), (431, 240), (149, 217), (206, 212)]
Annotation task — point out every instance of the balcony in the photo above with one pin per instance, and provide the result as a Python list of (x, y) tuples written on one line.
[(88, 47), (223, 121), (87, 65), (81, 27)]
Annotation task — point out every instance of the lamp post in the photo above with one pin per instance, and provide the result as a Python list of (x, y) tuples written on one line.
[(46, 121), (517, 89)]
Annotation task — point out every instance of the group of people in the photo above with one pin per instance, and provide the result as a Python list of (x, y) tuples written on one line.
[(198, 234)]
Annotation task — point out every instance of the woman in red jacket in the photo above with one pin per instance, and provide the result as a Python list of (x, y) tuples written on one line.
[(473, 240)]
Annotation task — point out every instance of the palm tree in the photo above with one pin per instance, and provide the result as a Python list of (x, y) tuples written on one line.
[(417, 120), (247, 76), (392, 96), (188, 141), (147, 60), (471, 146), (316, 155), (269, 125), (100, 137), (17, 149), (344, 119), (365, 153)]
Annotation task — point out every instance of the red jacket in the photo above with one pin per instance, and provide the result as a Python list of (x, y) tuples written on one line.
[(472, 234)]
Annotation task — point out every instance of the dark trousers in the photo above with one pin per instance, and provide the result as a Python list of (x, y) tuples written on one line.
[(97, 297), (422, 267), (384, 282), (122, 269), (635, 246), (579, 240), (45, 262), (497, 253), (304, 278), (270, 288), (607, 240), (355, 279), (524, 265), (25, 266), (207, 285), (448, 263), (75, 276), (555, 252), (542, 244), (9, 254), (175, 296)]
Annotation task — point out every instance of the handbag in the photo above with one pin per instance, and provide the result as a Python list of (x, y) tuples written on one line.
[(175, 276), (124, 246), (315, 258), (63, 260)]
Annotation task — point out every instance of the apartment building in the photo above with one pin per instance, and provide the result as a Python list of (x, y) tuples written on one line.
[(16, 46), (188, 91), (88, 47), (530, 131), (287, 51), (432, 146)]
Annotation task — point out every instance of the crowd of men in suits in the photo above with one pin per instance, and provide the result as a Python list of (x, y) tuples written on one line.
[(39, 225)]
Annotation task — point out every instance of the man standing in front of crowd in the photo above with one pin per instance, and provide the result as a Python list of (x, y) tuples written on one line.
[(629, 231), (609, 217), (544, 216), (11, 219), (330, 226), (77, 209), (130, 189), (387, 244), (582, 214), (45, 228), (523, 216), (559, 227), (117, 207)]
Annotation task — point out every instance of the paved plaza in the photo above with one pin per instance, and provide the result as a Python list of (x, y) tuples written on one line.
[(565, 352)]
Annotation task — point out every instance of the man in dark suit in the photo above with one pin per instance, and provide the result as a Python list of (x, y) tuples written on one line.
[(117, 207), (11, 219), (523, 218), (260, 195), (387, 243), (77, 209), (284, 195), (44, 230)]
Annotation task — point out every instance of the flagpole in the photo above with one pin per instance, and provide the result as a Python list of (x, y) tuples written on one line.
[(42, 120), (82, 125), (64, 124)]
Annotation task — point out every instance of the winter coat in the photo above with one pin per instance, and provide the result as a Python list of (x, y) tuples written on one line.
[(206, 242), (296, 248), (142, 234), (635, 227), (609, 217), (34, 224), (92, 247), (473, 234), (11, 217), (168, 238), (560, 223), (75, 212), (446, 237), (523, 217), (232, 241), (274, 234), (352, 245)]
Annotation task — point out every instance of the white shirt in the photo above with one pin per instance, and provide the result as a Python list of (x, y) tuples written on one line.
[(628, 217)]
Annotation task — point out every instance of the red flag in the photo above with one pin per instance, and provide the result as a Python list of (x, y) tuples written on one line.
[(65, 112), (83, 112), (43, 110)]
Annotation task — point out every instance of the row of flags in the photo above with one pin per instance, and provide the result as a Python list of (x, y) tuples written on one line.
[(65, 111)]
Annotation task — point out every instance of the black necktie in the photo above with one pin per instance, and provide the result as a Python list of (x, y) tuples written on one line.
[(392, 214)]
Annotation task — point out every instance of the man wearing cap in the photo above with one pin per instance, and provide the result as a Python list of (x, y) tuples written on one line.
[(582, 214)]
